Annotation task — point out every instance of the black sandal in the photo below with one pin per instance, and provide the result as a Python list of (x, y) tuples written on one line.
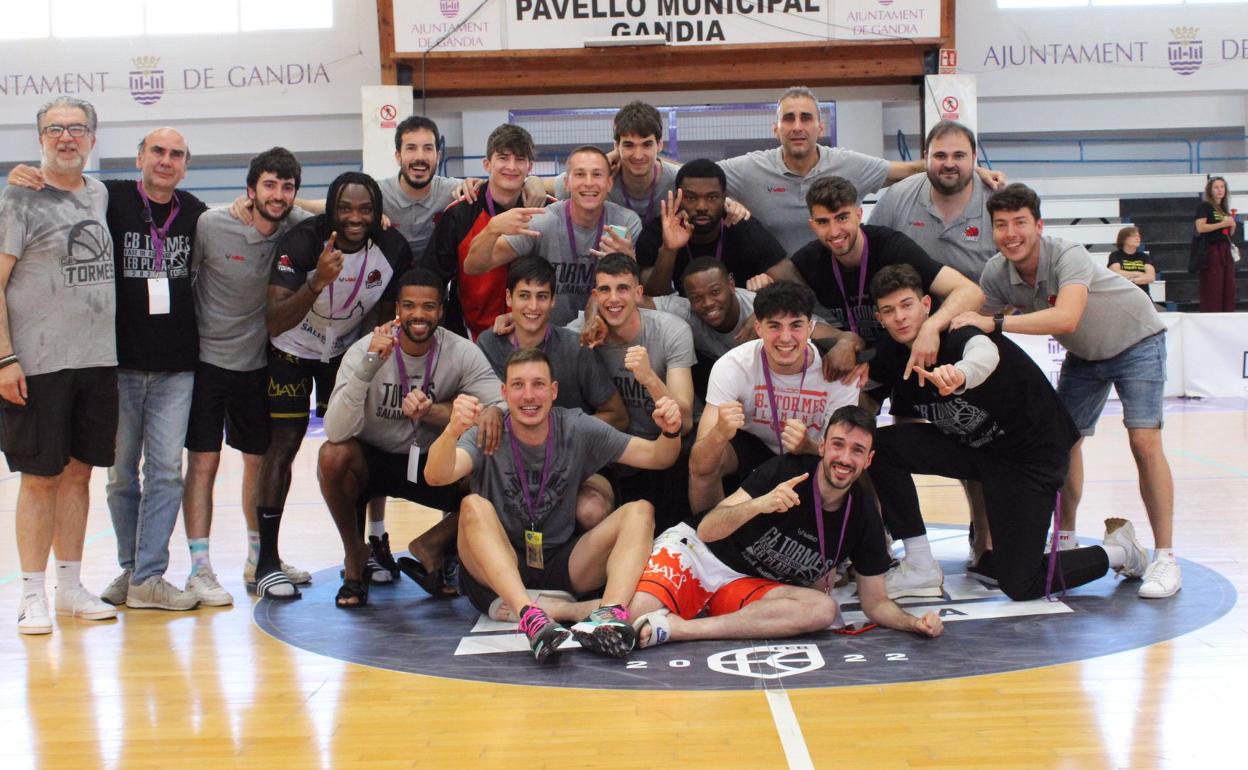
[(352, 589), (433, 582)]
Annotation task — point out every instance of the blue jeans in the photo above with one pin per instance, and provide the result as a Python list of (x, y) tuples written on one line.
[(1137, 373), (152, 419)]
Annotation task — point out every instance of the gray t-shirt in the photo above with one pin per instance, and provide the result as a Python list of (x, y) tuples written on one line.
[(61, 294), (583, 382), (415, 219), (648, 206), (964, 243), (367, 402), (1117, 315), (574, 268), (580, 446), (777, 197), (231, 263), (669, 342), (707, 340)]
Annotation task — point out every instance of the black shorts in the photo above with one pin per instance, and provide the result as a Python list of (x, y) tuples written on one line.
[(70, 413), (290, 384), (555, 576), (387, 477), (235, 401)]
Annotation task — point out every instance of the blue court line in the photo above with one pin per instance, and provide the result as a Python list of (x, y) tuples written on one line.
[(1235, 469), (103, 533)]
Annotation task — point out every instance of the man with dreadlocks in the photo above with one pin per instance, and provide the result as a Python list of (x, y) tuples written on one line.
[(331, 271)]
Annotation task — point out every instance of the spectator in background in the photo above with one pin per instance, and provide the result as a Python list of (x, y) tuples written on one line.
[(1130, 261), (1215, 223)]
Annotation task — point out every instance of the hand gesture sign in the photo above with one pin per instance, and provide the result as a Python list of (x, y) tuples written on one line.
[(784, 496), (676, 227), (416, 404), (464, 413), (383, 340), (731, 419), (328, 265), (946, 379), (667, 415)]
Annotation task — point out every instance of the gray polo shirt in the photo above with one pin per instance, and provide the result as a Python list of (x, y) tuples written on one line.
[(708, 340), (640, 206), (231, 262), (414, 219), (574, 270), (61, 294), (964, 243), (669, 343), (777, 197), (1117, 316)]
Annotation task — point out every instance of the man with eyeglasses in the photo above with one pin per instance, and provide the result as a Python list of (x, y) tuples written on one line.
[(58, 359)]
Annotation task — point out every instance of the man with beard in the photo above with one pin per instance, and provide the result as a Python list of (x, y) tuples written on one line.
[(384, 414), (414, 199), (331, 272), (760, 563), (231, 262), (58, 359), (692, 225)]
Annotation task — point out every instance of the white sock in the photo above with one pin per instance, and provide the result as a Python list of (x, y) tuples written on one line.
[(918, 551), (68, 574), (32, 584), (1163, 553), (376, 528), (253, 546), (1117, 555), (1065, 536)]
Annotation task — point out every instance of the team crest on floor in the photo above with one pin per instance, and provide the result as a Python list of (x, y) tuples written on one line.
[(404, 630)]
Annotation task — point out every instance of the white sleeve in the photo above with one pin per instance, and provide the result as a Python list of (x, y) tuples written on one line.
[(979, 360)]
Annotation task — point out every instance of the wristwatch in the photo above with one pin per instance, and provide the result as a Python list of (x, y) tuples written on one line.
[(998, 323)]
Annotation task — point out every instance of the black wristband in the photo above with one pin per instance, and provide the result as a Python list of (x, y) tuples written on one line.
[(671, 435), (998, 323), (8, 360)]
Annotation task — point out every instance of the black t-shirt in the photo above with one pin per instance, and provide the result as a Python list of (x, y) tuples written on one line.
[(1014, 412), (785, 546), (749, 249), (1206, 211), (165, 342), (1132, 263), (884, 247)]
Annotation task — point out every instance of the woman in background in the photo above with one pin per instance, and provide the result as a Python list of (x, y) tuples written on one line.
[(1216, 224)]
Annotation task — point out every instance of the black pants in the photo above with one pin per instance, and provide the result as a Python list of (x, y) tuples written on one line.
[(666, 489), (1018, 493)]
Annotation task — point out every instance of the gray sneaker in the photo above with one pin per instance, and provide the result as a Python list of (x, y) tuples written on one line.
[(205, 586), (156, 593), (117, 590)]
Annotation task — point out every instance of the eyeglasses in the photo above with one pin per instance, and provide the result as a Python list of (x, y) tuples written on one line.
[(76, 130)]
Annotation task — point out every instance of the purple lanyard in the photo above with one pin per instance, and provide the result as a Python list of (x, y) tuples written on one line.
[(158, 234), (819, 509), (771, 391), (567, 220), (517, 459), (862, 284), (398, 362), (515, 343), (355, 290), (719, 245), (654, 186), (489, 201)]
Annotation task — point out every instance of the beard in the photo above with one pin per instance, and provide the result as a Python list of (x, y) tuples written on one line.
[(416, 184), (950, 188)]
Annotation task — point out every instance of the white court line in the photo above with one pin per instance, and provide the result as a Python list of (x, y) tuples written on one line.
[(791, 740)]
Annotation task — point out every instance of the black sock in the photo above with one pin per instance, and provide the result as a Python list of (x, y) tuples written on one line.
[(270, 521)]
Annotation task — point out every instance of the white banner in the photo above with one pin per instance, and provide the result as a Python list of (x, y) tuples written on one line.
[(1215, 354), (950, 97), (1136, 49), (382, 109), (544, 24), (171, 78)]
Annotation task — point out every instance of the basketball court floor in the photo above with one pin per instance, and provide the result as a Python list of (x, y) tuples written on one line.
[(1097, 679)]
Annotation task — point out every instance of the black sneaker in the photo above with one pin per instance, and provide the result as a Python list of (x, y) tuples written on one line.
[(382, 558), (607, 632), (545, 635), (984, 570)]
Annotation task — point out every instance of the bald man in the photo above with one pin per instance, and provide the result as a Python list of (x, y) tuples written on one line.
[(152, 226)]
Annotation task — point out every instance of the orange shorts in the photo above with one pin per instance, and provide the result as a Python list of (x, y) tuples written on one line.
[(686, 577)]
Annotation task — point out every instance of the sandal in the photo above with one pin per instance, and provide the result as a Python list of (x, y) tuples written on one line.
[(263, 587), (660, 631), (352, 589), (432, 582)]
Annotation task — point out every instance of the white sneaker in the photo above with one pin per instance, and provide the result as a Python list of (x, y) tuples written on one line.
[(1062, 545), (1162, 579), (907, 580), (1121, 533), (204, 584), (32, 615), (156, 593), (117, 590), (78, 602), (293, 574)]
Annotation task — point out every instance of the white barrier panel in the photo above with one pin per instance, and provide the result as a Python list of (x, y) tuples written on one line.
[(1206, 354), (382, 108)]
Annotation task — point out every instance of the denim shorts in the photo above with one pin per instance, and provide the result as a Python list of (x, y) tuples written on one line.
[(1137, 373)]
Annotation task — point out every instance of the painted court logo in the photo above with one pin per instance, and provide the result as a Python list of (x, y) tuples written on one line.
[(147, 80), (774, 661), (1186, 51)]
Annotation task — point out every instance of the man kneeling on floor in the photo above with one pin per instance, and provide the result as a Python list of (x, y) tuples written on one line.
[(516, 529), (761, 563)]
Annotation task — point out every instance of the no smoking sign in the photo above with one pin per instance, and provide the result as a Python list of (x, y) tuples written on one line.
[(388, 113)]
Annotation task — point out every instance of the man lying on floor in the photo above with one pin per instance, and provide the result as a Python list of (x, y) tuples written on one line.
[(762, 562)]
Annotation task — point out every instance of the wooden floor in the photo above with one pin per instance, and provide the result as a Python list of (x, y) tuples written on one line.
[(208, 689)]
